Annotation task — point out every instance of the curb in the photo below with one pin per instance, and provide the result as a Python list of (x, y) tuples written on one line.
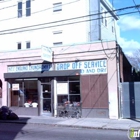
[(64, 125)]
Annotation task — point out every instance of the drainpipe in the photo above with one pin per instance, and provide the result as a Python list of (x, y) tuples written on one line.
[(99, 21), (118, 79)]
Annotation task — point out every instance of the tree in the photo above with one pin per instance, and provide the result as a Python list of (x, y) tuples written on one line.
[(135, 59)]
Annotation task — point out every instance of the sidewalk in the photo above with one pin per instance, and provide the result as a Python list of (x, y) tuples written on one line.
[(91, 123)]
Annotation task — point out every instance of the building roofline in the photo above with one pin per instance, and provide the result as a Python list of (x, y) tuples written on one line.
[(109, 8), (66, 45)]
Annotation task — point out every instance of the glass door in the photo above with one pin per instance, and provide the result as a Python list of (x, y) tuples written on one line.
[(46, 98)]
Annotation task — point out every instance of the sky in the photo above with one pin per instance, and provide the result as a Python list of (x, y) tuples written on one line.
[(129, 24)]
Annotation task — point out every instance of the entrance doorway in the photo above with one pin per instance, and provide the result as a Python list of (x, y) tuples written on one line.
[(46, 98)]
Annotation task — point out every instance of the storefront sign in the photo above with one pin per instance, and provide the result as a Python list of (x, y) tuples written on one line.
[(87, 67), (46, 53), (27, 68), (15, 86), (62, 88)]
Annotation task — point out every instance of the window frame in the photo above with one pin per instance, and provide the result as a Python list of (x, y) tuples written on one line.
[(19, 43), (105, 22), (112, 29), (28, 8), (19, 9), (57, 43), (28, 43), (57, 32), (57, 7)]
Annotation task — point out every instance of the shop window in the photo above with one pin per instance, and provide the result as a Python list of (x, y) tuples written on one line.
[(26, 95), (62, 99), (73, 94)]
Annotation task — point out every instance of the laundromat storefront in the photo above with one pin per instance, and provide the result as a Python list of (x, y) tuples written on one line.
[(37, 89)]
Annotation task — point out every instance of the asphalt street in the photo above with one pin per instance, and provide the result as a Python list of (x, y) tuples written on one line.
[(44, 132)]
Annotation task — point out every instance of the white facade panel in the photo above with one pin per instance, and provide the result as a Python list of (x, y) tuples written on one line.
[(39, 27)]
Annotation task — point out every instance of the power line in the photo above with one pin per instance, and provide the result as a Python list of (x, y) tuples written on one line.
[(38, 11), (120, 9), (70, 18), (58, 24), (136, 6), (12, 6)]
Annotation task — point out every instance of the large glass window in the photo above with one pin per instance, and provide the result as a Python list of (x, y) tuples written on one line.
[(73, 89), (25, 94)]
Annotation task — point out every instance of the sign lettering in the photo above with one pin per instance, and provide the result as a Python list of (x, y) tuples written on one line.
[(87, 67)]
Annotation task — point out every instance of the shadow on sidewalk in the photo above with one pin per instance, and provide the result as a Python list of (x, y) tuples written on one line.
[(135, 120), (9, 129)]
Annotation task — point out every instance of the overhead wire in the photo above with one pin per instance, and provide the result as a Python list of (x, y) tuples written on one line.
[(69, 23), (114, 10), (10, 18), (12, 6), (57, 25), (94, 19), (110, 57), (136, 6)]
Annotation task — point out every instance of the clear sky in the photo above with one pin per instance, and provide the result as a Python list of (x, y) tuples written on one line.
[(129, 24)]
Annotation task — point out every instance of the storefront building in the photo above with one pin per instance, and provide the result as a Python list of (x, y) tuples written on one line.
[(86, 73)]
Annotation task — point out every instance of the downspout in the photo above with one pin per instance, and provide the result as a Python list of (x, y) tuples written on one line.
[(99, 10), (118, 79), (89, 33)]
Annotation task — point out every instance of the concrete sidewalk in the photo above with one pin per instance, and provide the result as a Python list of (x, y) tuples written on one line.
[(91, 123)]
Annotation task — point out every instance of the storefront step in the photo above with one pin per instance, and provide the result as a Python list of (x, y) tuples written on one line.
[(29, 111)]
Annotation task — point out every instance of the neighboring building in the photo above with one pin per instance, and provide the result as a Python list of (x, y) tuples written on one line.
[(31, 23), (89, 73)]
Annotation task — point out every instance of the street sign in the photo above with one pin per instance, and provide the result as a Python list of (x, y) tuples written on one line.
[(46, 53)]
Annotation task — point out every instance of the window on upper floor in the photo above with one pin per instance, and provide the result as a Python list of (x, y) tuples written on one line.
[(28, 45), (102, 9), (28, 8), (57, 32), (19, 9), (102, 19), (57, 7), (19, 45), (57, 37), (112, 29), (57, 43), (106, 22)]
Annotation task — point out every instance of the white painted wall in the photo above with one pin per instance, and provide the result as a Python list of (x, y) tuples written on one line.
[(106, 31), (24, 29)]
